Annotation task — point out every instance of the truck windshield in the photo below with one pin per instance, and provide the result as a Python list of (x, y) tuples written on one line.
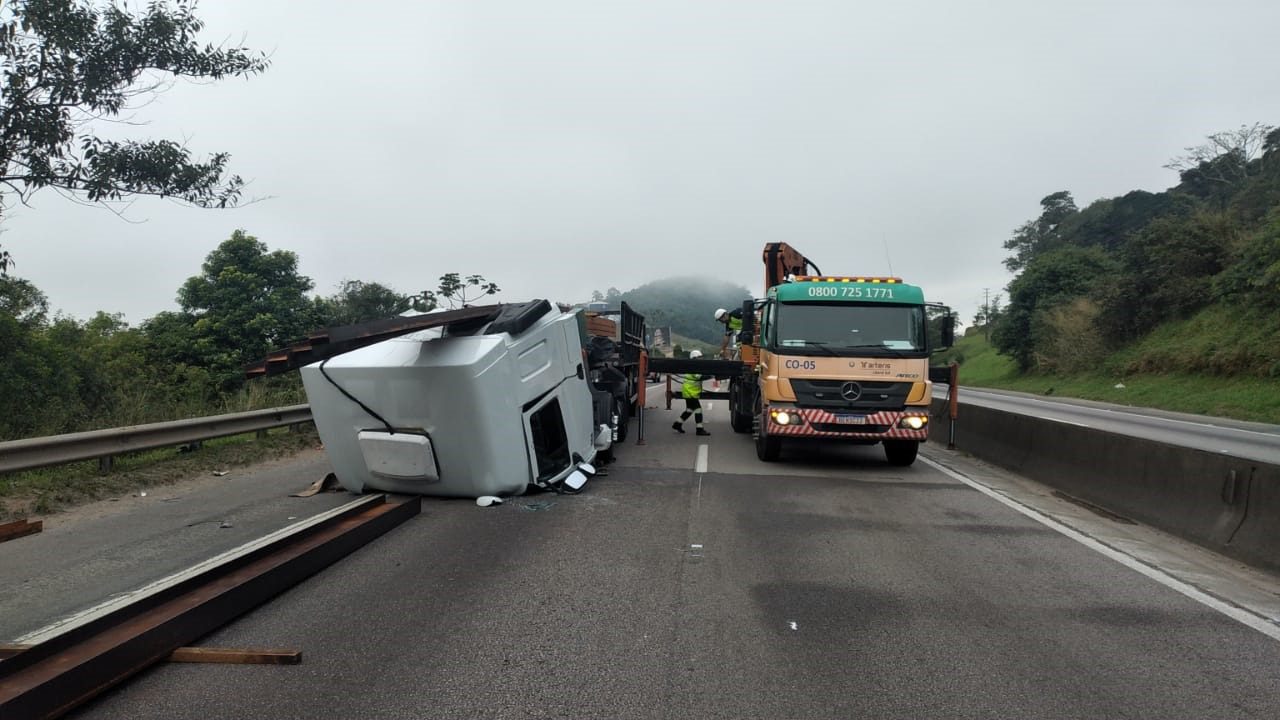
[(849, 329)]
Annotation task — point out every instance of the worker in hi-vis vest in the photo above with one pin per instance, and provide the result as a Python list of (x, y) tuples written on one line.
[(732, 320), (691, 390)]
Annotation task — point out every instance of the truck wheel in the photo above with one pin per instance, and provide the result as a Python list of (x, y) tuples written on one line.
[(624, 418), (767, 448), (901, 452), (739, 417)]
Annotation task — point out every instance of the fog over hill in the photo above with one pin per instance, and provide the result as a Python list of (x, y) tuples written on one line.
[(687, 304)]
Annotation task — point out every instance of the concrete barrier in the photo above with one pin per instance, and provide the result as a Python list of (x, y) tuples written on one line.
[(1227, 504)]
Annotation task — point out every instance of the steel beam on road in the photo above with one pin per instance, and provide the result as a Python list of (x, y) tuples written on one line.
[(55, 676), (205, 655), (20, 528)]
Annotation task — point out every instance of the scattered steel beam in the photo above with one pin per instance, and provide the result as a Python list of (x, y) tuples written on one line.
[(236, 656), (20, 528), (707, 367), (53, 677), (329, 342)]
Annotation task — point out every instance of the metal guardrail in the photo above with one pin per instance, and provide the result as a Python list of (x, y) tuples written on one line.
[(101, 445)]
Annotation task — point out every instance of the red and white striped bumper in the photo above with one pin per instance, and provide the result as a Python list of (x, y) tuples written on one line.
[(873, 426)]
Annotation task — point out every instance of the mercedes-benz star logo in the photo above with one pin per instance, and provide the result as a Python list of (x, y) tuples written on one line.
[(851, 391)]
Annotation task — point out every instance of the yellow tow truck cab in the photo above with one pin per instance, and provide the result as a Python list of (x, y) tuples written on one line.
[(839, 359)]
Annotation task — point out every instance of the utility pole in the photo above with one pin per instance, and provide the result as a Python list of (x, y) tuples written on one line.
[(986, 313)]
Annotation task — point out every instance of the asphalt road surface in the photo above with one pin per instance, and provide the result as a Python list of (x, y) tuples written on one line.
[(828, 585)]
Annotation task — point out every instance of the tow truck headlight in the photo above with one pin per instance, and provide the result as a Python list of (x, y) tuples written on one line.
[(913, 422), (783, 417)]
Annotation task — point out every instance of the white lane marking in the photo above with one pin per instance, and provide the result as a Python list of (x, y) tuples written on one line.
[(1065, 422), (1014, 399), (700, 465), (793, 625), (1264, 625)]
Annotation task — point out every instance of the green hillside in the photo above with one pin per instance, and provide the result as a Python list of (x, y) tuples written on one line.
[(687, 304), (1173, 294), (1169, 370)]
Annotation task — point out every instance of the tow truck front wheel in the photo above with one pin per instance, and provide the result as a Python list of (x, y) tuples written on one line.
[(901, 452), (740, 417), (767, 446)]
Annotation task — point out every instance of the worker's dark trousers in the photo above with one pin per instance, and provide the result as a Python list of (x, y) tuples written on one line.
[(692, 406)]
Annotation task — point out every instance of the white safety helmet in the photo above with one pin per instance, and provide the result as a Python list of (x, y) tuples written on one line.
[(721, 313), (695, 354)]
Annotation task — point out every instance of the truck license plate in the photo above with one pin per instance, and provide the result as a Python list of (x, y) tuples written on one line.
[(851, 419)]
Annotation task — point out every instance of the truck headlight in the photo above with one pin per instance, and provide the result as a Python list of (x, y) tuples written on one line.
[(782, 417), (913, 422)]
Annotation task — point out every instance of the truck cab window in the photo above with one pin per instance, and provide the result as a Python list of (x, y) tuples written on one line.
[(850, 327), (550, 442)]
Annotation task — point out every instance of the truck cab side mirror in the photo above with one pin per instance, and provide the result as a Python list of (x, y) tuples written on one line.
[(948, 331), (748, 332), (946, 326)]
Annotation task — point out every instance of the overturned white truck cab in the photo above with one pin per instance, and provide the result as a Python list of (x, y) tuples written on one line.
[(471, 402), (479, 407)]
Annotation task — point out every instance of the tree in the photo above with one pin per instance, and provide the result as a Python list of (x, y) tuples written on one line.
[(358, 301), (1227, 158), (1052, 279), (245, 302), (69, 63), (33, 384), (23, 302), (1167, 272), (1110, 222), (455, 290), (1255, 276), (1038, 236)]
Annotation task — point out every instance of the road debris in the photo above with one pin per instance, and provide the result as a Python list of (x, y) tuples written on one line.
[(329, 483)]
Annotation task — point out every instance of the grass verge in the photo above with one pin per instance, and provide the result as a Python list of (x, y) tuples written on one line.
[(48, 490), (1241, 397)]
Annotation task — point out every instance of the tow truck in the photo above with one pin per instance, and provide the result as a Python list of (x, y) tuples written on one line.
[(836, 358), (831, 359)]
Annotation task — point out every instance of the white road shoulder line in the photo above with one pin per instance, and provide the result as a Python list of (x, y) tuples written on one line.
[(700, 465), (1016, 399), (1257, 622)]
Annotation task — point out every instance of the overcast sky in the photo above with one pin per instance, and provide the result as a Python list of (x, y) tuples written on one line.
[(559, 147)]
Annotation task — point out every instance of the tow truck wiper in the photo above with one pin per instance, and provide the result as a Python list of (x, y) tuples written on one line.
[(822, 346), (826, 347)]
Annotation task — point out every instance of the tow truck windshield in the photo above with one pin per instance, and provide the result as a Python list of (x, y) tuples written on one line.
[(847, 329)]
